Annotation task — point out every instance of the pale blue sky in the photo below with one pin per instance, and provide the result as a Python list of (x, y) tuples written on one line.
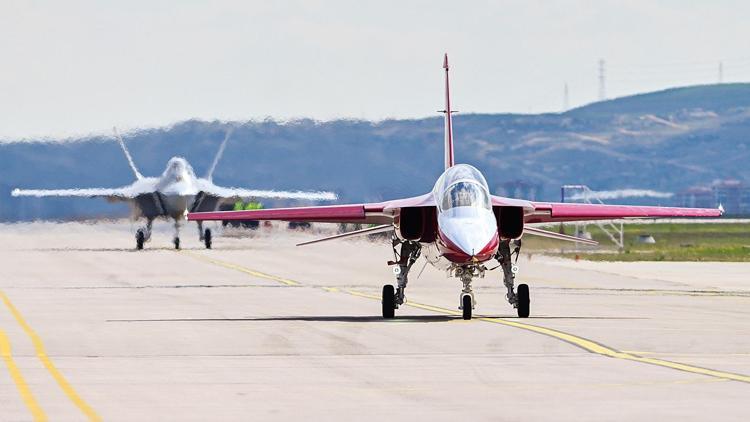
[(79, 67)]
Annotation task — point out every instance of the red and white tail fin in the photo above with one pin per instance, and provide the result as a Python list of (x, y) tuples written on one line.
[(448, 119)]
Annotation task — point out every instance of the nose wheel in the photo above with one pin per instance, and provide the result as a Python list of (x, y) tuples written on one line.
[(467, 303)]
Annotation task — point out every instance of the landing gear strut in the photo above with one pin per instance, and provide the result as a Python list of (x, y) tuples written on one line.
[(393, 298), (519, 299)]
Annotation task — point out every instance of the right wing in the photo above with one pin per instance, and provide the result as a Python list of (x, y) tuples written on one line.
[(117, 193), (142, 186)]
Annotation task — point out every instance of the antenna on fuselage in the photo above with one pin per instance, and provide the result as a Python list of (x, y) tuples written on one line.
[(210, 173), (138, 175), (448, 118)]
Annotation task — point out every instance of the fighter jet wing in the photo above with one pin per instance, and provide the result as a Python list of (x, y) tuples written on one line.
[(372, 213), (140, 187), (222, 192), (112, 194), (545, 212), (384, 212)]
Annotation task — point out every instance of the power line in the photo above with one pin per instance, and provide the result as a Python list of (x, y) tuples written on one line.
[(602, 81)]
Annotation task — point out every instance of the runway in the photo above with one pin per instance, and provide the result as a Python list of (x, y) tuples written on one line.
[(257, 329)]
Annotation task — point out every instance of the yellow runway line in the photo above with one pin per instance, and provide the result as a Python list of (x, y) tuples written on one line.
[(583, 343), (242, 269), (15, 373), (41, 353)]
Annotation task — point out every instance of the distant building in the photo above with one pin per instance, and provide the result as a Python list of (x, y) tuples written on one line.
[(519, 189), (732, 194)]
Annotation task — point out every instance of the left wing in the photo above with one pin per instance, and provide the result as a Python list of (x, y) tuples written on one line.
[(551, 212), (222, 192)]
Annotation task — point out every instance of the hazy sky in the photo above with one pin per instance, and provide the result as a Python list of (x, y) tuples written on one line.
[(78, 67)]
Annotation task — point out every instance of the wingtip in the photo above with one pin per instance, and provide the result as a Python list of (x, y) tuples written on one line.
[(445, 61)]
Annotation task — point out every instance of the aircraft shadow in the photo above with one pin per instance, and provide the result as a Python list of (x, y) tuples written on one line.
[(145, 250), (368, 318)]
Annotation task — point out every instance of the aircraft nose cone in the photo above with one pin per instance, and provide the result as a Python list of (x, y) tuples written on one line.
[(469, 237)]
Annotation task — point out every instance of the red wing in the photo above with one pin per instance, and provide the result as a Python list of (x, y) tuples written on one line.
[(376, 213), (558, 212)]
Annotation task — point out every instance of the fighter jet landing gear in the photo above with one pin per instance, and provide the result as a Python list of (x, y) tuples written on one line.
[(176, 240), (389, 301), (393, 298), (204, 236), (519, 299), (466, 275), (140, 238), (143, 235), (207, 238)]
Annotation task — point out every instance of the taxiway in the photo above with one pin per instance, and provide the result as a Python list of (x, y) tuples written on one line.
[(257, 329)]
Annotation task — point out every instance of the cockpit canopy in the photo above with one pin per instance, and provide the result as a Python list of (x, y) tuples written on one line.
[(464, 194), (462, 186), (178, 169)]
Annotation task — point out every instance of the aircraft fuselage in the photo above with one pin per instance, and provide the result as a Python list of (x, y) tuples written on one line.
[(466, 226)]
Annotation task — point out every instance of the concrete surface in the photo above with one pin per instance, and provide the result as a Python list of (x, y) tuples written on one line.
[(257, 329)]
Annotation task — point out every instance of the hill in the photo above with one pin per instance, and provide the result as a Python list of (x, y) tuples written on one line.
[(665, 141)]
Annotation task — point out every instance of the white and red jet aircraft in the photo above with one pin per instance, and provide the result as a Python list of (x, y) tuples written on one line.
[(458, 226)]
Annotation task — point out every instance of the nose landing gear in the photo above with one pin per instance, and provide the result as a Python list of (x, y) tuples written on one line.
[(466, 300)]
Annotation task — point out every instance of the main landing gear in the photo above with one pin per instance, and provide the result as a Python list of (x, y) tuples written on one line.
[(520, 298), (143, 234), (204, 236), (394, 297)]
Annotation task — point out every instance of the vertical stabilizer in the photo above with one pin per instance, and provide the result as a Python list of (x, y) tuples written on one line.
[(448, 119), (138, 174), (219, 154)]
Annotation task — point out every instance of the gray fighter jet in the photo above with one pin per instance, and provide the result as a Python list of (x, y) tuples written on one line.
[(172, 195)]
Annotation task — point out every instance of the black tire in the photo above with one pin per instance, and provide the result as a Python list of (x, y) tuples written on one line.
[(389, 301), (140, 238), (466, 305), (523, 300), (207, 238), (176, 242)]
